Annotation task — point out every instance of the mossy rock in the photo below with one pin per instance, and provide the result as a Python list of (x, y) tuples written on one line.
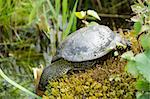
[(107, 80)]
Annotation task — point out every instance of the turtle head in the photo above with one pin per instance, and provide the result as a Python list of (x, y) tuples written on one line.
[(122, 42)]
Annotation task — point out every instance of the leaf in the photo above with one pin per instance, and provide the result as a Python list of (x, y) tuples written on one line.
[(81, 14), (142, 85), (128, 55), (137, 8), (147, 53), (131, 68), (144, 96), (143, 65), (145, 41), (93, 14), (135, 18), (116, 53), (137, 27), (145, 28)]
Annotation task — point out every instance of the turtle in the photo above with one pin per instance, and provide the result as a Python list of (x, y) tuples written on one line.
[(81, 49)]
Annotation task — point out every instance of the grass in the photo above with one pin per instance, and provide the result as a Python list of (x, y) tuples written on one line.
[(17, 85), (30, 31), (27, 40)]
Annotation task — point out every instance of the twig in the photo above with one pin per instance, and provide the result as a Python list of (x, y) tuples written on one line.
[(99, 5), (80, 4), (118, 4), (139, 35), (114, 15)]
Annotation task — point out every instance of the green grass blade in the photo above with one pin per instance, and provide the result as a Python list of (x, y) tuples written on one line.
[(17, 85), (36, 5), (57, 7), (1, 5), (64, 12), (66, 32), (52, 9), (74, 26)]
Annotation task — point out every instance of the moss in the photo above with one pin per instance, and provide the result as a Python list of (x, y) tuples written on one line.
[(106, 80)]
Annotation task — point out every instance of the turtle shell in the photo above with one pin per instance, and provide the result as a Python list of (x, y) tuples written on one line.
[(87, 43)]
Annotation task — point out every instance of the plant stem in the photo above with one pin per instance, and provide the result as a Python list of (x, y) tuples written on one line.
[(17, 85)]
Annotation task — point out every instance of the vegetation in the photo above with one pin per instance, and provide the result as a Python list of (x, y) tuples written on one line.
[(139, 64), (31, 30), (28, 31)]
